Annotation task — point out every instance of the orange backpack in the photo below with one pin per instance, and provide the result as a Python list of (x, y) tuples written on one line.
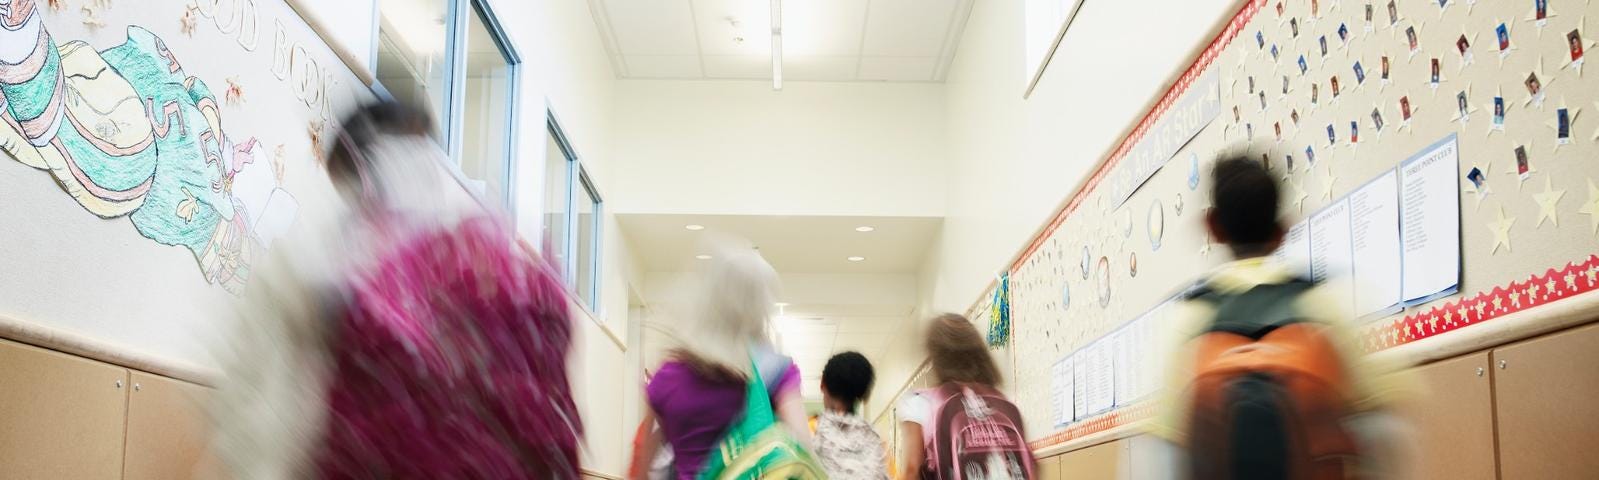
[(1269, 392)]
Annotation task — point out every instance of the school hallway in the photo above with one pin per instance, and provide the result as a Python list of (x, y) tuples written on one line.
[(203, 230)]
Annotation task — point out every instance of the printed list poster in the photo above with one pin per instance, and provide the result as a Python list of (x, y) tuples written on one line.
[(1294, 253), (1332, 251), (1374, 233), (1430, 226), (1063, 374)]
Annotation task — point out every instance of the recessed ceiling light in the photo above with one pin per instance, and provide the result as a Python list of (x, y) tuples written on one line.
[(694, 226), (865, 228), (703, 257), (781, 304), (857, 259)]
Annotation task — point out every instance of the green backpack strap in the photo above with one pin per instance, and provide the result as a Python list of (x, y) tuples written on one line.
[(756, 446)]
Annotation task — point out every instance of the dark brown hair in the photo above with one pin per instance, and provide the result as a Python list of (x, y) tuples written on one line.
[(347, 157), (958, 352)]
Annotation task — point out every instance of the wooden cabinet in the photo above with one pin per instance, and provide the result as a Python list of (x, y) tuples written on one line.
[(1548, 417), (1453, 419), (1108, 460), (166, 428), (61, 416), (1049, 468)]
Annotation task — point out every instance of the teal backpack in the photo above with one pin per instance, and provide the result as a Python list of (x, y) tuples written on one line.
[(758, 446)]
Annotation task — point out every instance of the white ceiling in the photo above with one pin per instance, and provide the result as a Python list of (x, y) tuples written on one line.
[(823, 40), (792, 244)]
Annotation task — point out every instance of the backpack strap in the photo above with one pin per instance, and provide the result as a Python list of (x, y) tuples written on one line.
[(1255, 312)]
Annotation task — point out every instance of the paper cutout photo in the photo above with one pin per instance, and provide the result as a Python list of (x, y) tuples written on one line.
[(1460, 101), (1310, 155), (1289, 159), (1376, 119), (1315, 93), (1435, 70), (1523, 168), (1534, 87), (1385, 69), (1343, 33), (1260, 39), (1410, 34), (1323, 41), (1499, 113), (1477, 179), (1354, 131), (1563, 126), (1293, 27), (1574, 43), (1393, 13), (1335, 86), (1294, 115), (1404, 108), (1360, 74), (1274, 52), (1540, 9), (1332, 135), (1278, 127), (1503, 33), (1302, 66)]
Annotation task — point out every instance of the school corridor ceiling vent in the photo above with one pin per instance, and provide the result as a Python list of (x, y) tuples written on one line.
[(823, 40)]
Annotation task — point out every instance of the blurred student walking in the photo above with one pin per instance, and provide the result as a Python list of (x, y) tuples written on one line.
[(1268, 380), (414, 337), (967, 427), (725, 388), (847, 446)]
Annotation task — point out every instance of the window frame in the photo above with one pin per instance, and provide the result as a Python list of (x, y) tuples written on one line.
[(455, 45), (577, 181)]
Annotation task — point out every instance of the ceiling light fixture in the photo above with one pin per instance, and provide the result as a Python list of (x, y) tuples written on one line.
[(777, 44), (781, 304), (703, 256), (694, 226), (864, 228), (857, 259)]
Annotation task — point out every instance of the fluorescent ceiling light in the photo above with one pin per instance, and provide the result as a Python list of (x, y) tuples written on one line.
[(857, 259), (777, 44), (781, 304), (865, 228), (694, 227), (703, 256)]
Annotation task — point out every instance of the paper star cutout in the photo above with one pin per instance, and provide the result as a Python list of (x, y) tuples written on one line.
[(1596, 131), (1443, 7), (1470, 55), (1591, 208), (1466, 116), (1547, 203), (1532, 16), (187, 22), (1586, 45), (1554, 124), (1404, 123), (57, 5), (1501, 230), (1471, 5), (1510, 32), (1297, 193), (1327, 186), (1418, 26), (1521, 178), (1499, 92), (1544, 79)]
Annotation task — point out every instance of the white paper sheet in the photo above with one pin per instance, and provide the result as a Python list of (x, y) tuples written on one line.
[(1374, 231), (1062, 381), (1430, 228), (1079, 385), (1101, 391), (1294, 253), (1332, 251), (1122, 344)]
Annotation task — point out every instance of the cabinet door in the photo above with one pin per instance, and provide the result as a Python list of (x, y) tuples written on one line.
[(60, 416), (1453, 419), (1108, 461), (1049, 468), (1548, 419), (167, 428)]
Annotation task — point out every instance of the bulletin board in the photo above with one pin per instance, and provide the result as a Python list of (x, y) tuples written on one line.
[(1391, 115), (154, 151)]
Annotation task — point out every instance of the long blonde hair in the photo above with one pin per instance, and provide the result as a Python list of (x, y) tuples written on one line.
[(730, 313), (959, 353)]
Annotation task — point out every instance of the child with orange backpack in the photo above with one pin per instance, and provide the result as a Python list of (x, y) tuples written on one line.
[(1268, 379)]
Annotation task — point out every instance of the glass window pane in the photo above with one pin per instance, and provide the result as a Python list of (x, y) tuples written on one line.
[(411, 48), (557, 166), (486, 114), (587, 235)]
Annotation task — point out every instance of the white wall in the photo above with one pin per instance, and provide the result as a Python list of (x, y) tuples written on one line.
[(735, 147), (1113, 63), (343, 19)]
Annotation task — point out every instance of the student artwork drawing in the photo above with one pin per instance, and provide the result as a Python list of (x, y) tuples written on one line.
[(127, 133)]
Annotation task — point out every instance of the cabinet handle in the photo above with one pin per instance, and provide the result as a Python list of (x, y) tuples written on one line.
[(119, 384), (1503, 364), (1481, 371), (137, 387)]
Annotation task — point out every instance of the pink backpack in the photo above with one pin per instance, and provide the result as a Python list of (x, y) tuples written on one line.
[(977, 435), (449, 361)]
